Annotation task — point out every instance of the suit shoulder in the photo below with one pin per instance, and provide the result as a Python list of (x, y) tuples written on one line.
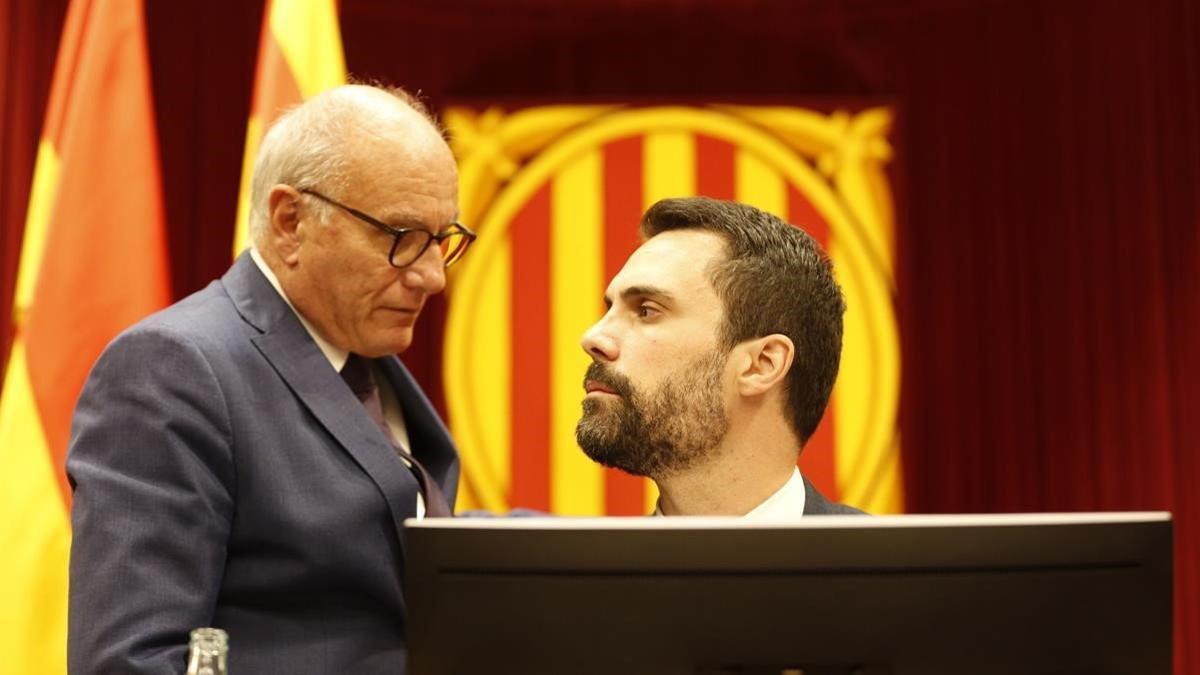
[(192, 312), (816, 504), (840, 509), (202, 319)]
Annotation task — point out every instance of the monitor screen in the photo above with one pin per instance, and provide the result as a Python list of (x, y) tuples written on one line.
[(1051, 594)]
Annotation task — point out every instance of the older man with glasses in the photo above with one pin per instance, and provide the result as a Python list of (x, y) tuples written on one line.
[(245, 458)]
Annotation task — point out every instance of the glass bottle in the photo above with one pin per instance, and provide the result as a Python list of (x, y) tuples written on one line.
[(207, 653)]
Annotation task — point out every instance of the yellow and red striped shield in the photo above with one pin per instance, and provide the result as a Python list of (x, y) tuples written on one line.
[(556, 193)]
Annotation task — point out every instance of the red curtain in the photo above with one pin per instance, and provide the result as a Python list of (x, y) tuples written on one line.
[(1047, 173)]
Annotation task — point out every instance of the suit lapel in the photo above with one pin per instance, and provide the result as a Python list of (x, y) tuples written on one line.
[(428, 439), (815, 503), (292, 353)]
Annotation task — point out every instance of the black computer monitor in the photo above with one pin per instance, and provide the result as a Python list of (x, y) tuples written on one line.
[(1047, 594)]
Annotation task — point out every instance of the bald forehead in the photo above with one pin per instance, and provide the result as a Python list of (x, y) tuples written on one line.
[(374, 120), (363, 101)]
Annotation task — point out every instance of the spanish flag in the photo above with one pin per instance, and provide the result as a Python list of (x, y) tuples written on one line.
[(93, 261), (299, 56)]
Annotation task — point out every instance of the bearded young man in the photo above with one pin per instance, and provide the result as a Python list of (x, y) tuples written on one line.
[(715, 360)]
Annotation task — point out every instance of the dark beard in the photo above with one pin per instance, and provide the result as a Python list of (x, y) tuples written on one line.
[(660, 433)]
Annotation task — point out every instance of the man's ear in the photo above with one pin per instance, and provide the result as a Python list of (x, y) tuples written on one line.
[(283, 222), (767, 361)]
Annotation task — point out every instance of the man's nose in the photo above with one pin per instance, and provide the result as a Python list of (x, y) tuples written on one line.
[(598, 342), (427, 272)]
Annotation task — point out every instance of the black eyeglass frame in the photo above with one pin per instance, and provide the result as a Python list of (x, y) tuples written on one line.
[(399, 232)]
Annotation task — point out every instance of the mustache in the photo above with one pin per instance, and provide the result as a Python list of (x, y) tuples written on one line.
[(618, 383)]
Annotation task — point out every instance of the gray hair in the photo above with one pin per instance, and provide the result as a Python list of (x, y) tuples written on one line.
[(307, 148), (302, 148)]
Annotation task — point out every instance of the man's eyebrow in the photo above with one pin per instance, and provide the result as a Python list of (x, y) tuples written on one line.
[(652, 292), (647, 292)]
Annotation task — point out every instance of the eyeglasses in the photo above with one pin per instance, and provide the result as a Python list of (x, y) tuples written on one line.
[(409, 244)]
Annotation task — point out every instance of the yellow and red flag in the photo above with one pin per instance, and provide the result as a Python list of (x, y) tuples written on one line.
[(93, 261), (299, 55), (556, 193)]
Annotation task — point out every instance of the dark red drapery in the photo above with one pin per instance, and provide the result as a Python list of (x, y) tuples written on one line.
[(1048, 183)]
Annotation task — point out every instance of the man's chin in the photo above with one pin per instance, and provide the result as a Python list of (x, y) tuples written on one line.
[(393, 342), (600, 419), (607, 455), (601, 442)]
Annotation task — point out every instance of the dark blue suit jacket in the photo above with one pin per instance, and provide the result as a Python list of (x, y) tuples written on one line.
[(815, 504), (225, 475)]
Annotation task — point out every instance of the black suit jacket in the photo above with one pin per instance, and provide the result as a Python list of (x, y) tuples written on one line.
[(225, 475), (815, 504)]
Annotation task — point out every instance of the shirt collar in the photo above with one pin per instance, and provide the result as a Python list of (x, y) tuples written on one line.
[(336, 356), (786, 503)]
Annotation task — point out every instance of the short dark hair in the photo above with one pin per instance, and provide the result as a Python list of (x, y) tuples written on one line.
[(775, 279)]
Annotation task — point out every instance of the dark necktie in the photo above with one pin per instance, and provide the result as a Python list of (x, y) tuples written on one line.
[(357, 374)]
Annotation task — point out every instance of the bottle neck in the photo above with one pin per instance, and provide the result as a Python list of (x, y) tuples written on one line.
[(207, 652)]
